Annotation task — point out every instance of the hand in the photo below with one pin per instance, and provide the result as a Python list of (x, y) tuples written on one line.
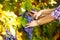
[(36, 14), (41, 13), (33, 23)]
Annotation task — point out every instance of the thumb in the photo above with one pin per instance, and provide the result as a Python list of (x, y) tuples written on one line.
[(33, 11), (37, 16)]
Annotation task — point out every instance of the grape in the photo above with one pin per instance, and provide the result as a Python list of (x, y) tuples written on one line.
[(29, 32), (28, 18), (29, 29), (9, 36)]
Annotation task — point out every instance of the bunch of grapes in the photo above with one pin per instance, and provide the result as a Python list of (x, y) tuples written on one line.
[(28, 18), (9, 36), (28, 30)]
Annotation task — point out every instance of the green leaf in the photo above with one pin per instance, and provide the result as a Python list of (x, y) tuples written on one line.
[(20, 11), (23, 21), (27, 5)]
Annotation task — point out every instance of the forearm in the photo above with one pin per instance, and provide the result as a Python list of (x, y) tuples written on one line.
[(45, 20), (47, 11)]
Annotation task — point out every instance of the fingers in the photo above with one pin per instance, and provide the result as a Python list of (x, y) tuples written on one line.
[(31, 24), (34, 12), (39, 14), (28, 25), (34, 15)]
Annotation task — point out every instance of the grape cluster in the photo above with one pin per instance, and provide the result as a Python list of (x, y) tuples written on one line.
[(29, 29), (28, 18), (29, 32), (9, 36)]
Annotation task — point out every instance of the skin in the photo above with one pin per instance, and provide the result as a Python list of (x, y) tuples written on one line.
[(42, 12), (42, 21), (48, 18)]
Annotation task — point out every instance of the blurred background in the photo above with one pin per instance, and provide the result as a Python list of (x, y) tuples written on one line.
[(13, 20)]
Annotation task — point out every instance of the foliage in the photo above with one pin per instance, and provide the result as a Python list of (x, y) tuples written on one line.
[(10, 9), (8, 20), (46, 32)]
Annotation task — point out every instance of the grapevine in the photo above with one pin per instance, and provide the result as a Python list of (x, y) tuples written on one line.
[(14, 17)]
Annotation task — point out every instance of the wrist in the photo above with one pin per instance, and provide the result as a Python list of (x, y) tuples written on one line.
[(38, 21)]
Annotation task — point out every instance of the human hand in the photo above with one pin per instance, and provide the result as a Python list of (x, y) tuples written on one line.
[(32, 23), (41, 13)]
